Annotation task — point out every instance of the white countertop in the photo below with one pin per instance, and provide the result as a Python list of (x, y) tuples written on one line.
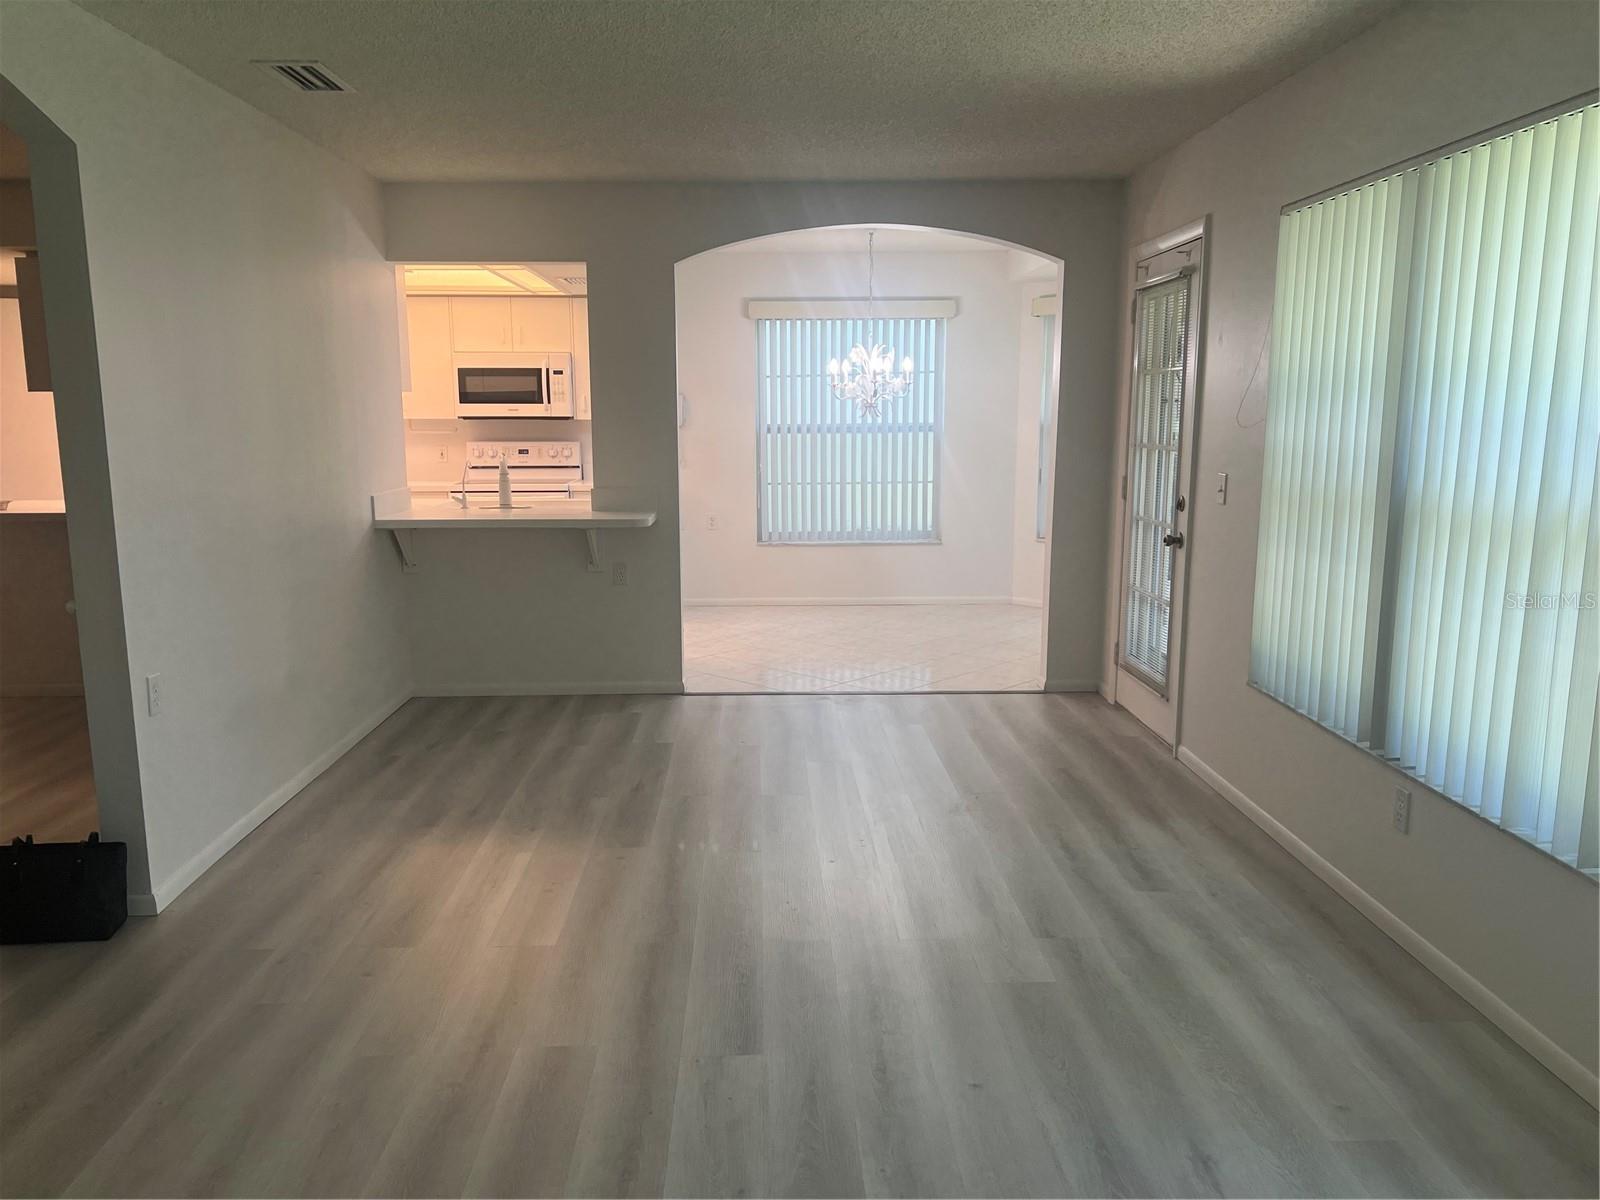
[(35, 509), (409, 512)]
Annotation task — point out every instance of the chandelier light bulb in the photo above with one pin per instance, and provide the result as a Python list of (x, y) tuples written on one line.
[(867, 377)]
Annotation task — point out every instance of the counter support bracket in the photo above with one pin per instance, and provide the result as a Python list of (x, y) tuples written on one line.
[(403, 543)]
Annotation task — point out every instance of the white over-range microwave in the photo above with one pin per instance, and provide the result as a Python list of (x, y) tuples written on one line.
[(513, 385)]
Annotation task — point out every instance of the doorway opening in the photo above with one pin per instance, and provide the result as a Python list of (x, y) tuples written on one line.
[(55, 462), (495, 367), (866, 444), (47, 787)]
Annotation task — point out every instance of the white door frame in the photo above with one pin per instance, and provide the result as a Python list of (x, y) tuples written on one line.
[(1183, 248)]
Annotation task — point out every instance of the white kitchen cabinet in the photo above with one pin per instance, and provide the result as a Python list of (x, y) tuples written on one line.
[(541, 323), (30, 305), (433, 378), (480, 323), (580, 357)]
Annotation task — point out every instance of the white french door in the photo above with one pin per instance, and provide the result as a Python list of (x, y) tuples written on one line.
[(1157, 484)]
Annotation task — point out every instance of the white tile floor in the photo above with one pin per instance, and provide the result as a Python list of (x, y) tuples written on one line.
[(862, 648)]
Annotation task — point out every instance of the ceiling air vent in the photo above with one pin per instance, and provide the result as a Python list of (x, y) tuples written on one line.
[(576, 281), (305, 75)]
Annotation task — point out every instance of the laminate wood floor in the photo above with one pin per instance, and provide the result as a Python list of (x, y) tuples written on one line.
[(46, 778), (785, 945)]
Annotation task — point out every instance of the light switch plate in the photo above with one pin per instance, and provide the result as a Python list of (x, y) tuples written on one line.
[(1402, 810), (1222, 487), (152, 694)]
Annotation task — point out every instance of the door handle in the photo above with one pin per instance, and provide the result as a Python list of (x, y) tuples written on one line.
[(1174, 540)]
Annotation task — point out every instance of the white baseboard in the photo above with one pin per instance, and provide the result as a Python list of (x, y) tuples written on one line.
[(1027, 602), (24, 690), (656, 687), (170, 888), (766, 601), (1515, 1026), (1072, 685)]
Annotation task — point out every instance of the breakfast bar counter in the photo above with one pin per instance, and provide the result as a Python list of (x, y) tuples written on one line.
[(402, 514)]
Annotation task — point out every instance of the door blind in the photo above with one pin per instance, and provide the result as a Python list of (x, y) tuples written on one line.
[(826, 473), (1427, 566), (1160, 364)]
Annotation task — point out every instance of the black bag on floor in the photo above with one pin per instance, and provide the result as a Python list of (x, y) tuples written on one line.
[(62, 891)]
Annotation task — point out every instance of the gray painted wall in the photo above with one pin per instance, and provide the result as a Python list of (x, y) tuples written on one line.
[(518, 611), (1518, 921), (249, 368)]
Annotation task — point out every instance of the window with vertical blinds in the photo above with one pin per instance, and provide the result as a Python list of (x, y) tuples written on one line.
[(826, 473), (1427, 568)]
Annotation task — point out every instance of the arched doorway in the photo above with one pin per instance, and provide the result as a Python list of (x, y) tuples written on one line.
[(835, 543)]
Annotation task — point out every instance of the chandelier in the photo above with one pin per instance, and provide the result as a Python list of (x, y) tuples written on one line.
[(867, 376)]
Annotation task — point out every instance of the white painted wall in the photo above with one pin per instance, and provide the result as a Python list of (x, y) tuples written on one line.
[(30, 465), (1520, 923), (717, 371), (517, 610), (249, 366)]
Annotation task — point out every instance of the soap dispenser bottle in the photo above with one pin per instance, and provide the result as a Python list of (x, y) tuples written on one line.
[(505, 482)]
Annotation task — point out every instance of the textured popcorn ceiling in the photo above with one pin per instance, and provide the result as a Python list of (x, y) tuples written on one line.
[(747, 89)]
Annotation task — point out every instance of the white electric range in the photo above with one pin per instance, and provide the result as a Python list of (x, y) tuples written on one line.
[(547, 468)]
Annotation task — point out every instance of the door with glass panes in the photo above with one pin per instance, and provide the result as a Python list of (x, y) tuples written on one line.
[(1157, 485)]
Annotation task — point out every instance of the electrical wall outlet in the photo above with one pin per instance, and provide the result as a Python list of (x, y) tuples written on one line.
[(711, 520), (619, 574), (1402, 810), (152, 694), (444, 453)]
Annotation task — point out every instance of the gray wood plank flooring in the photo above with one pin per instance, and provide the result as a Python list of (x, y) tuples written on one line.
[(46, 779), (792, 945)]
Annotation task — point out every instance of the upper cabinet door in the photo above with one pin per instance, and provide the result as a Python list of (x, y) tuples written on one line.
[(480, 323), (541, 323), (580, 358), (433, 378)]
